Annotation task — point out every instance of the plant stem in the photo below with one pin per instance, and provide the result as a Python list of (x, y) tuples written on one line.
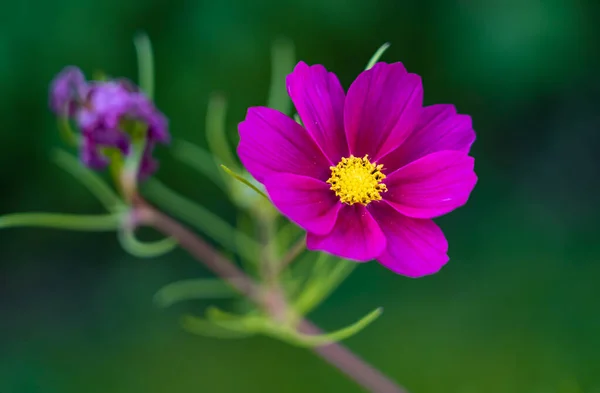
[(336, 354), (355, 368), (292, 254)]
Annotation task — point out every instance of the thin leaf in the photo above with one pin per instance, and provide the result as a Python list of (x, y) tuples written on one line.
[(250, 323), (89, 179), (377, 55), (305, 340), (203, 327), (201, 218), (93, 223), (283, 59), (324, 279), (201, 288), (145, 249), (66, 131), (145, 59), (250, 260), (216, 135), (244, 181), (199, 159)]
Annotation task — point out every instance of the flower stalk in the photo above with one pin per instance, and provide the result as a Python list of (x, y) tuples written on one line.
[(272, 301)]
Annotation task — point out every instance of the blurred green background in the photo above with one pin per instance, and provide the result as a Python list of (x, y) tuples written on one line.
[(515, 310)]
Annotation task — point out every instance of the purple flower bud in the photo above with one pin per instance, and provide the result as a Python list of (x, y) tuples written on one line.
[(109, 114), (90, 154), (149, 164), (67, 89)]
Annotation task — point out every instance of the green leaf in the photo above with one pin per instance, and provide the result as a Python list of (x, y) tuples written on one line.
[(305, 340), (326, 276), (283, 60), (375, 58), (93, 223), (145, 249), (66, 131), (216, 135), (253, 323), (286, 235), (247, 324), (89, 179), (199, 159), (201, 288), (202, 218), (145, 59), (203, 327), (244, 181)]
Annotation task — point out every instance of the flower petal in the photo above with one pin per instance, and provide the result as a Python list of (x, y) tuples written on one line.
[(415, 247), (271, 142), (304, 200), (438, 128), (355, 235), (319, 99), (432, 185), (382, 107), (91, 155), (67, 89)]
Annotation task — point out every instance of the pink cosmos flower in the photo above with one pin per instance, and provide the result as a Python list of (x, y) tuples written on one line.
[(369, 169)]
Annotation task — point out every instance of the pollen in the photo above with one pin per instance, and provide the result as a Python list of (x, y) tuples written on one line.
[(357, 180)]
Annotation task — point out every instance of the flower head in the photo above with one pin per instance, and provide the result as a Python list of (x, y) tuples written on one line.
[(111, 115), (368, 170)]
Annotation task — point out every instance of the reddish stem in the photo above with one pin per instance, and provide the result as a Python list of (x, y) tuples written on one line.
[(336, 354)]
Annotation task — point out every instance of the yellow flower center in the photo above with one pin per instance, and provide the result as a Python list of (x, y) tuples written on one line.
[(357, 180)]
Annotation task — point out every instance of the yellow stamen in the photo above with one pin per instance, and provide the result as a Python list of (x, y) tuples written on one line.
[(357, 180)]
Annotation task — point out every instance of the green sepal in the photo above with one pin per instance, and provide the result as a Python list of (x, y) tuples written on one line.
[(297, 119)]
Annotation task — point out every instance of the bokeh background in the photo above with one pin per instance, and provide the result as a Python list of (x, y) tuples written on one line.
[(516, 309)]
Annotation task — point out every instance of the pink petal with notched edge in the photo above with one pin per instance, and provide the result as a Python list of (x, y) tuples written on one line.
[(415, 247), (319, 99), (355, 236), (439, 128), (431, 186), (382, 107), (271, 142), (304, 200)]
